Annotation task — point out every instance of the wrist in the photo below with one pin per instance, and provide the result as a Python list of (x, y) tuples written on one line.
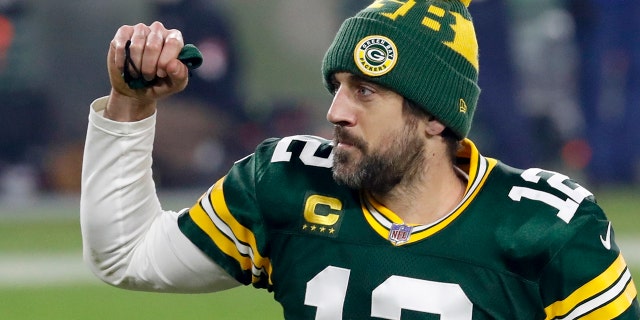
[(124, 108)]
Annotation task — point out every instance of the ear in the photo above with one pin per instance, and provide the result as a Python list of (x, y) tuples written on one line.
[(434, 127)]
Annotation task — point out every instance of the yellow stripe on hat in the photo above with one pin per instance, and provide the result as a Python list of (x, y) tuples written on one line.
[(466, 2)]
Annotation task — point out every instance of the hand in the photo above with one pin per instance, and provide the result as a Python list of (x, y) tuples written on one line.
[(154, 50)]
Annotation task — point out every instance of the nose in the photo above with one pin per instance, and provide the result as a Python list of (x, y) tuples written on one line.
[(341, 113)]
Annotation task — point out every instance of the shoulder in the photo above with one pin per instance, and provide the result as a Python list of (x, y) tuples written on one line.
[(276, 156), (540, 210), (305, 149), (541, 191), (285, 177), (553, 232), (527, 207), (528, 202), (290, 163)]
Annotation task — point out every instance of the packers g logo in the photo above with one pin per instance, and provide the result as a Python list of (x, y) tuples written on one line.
[(375, 55)]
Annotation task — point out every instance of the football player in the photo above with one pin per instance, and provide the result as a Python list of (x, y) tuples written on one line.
[(398, 217)]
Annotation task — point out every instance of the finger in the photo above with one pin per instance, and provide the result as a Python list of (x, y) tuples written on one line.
[(178, 74), (116, 50), (153, 47), (137, 48), (173, 43)]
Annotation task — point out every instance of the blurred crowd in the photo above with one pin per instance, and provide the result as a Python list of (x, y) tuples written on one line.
[(560, 81)]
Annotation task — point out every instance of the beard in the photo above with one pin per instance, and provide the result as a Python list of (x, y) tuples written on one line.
[(399, 159)]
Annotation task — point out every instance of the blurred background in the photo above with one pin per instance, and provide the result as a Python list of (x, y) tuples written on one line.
[(560, 81)]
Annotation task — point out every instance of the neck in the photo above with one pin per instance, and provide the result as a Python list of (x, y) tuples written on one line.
[(429, 196)]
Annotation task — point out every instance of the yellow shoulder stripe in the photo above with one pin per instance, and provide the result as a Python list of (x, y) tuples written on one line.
[(615, 307), (601, 285), (213, 216)]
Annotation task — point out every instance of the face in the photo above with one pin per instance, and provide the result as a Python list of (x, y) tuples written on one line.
[(377, 145)]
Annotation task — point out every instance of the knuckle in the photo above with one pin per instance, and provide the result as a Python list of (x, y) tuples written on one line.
[(153, 44), (140, 30), (174, 35), (173, 42), (157, 25), (124, 29)]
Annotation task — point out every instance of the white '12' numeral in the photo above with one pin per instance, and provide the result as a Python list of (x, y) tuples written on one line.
[(327, 292), (307, 155), (567, 207), (398, 293)]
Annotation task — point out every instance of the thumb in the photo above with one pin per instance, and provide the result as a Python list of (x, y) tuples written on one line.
[(178, 74)]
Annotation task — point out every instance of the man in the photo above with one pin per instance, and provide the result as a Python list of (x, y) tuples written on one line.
[(398, 217)]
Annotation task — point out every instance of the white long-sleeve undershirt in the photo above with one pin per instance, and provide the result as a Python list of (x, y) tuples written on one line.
[(129, 241)]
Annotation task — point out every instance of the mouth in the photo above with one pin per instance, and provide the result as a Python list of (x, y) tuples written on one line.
[(344, 145), (344, 140)]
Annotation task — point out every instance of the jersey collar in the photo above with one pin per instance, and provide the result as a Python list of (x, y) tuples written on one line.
[(391, 227)]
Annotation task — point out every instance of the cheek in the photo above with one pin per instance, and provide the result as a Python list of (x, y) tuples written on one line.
[(384, 141)]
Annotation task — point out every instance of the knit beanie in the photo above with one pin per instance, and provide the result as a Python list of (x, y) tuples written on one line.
[(425, 50)]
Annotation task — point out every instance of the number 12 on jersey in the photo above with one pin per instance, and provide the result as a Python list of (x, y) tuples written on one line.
[(567, 207), (327, 291)]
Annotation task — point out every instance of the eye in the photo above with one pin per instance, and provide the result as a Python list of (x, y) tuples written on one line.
[(335, 85), (365, 91)]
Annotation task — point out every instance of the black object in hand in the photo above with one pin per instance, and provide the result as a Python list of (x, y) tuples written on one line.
[(189, 55)]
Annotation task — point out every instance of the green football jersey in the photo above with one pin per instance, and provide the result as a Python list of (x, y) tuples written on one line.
[(522, 244)]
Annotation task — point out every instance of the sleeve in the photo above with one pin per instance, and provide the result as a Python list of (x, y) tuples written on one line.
[(227, 222), (128, 240), (589, 278)]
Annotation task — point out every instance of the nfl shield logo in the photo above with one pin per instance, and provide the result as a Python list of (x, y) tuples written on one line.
[(399, 234)]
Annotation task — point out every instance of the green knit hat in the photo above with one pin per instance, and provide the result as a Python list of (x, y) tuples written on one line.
[(424, 50)]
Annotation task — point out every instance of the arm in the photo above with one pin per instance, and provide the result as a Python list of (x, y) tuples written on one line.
[(129, 241), (589, 276)]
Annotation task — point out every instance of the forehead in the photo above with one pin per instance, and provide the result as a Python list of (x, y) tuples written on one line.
[(350, 78)]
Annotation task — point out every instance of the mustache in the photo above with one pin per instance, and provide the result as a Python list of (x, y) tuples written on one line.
[(341, 135)]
